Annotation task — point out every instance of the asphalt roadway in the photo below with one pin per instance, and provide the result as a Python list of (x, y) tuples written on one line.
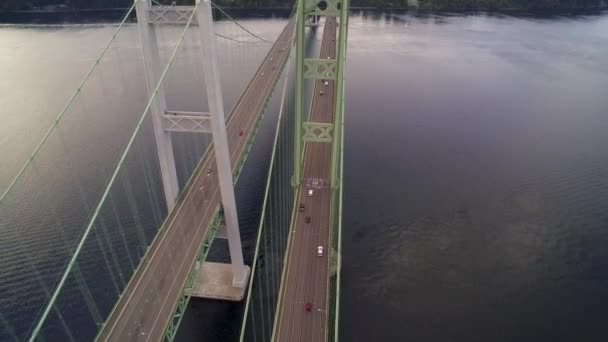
[(149, 301), (307, 274)]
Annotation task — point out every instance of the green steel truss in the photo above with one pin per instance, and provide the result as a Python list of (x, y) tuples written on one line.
[(339, 100), (327, 133), (323, 7), (318, 132), (311, 68), (320, 68)]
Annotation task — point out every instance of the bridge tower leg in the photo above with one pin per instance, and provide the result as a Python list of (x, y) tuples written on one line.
[(240, 272), (298, 144), (164, 146), (339, 99), (214, 275), (320, 69)]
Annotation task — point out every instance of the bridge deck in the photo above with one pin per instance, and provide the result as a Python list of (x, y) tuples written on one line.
[(307, 275), (151, 297)]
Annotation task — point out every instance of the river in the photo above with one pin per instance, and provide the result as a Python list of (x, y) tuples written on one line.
[(476, 171)]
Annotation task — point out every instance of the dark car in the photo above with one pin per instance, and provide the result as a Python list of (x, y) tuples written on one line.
[(307, 219)]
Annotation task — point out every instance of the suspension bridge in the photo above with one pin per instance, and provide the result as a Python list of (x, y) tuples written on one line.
[(118, 235)]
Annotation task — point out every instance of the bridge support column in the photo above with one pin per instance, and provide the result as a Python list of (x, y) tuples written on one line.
[(240, 272), (213, 281), (339, 103), (153, 68), (297, 156)]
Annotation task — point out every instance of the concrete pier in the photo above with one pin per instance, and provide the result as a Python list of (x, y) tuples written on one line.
[(215, 282)]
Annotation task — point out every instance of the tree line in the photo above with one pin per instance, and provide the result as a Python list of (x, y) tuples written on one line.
[(424, 4), (100, 4), (510, 4)]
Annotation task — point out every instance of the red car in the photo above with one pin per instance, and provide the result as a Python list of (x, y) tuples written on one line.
[(308, 307), (240, 133)]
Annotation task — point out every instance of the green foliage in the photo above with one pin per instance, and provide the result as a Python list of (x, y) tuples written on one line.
[(379, 3), (507, 4), (86, 4)]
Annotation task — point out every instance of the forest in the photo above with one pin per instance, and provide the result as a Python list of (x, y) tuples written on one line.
[(424, 4), (509, 4)]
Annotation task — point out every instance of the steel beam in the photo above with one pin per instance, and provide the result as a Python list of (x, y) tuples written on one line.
[(170, 15), (323, 7), (191, 122), (315, 68), (339, 91), (318, 132), (300, 22)]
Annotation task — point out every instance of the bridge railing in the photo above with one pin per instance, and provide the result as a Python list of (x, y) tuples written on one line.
[(336, 245)]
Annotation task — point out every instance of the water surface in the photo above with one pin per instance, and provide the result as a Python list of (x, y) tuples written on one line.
[(476, 178)]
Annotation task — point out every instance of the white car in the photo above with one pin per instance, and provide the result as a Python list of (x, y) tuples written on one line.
[(309, 192), (320, 251), (326, 83)]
